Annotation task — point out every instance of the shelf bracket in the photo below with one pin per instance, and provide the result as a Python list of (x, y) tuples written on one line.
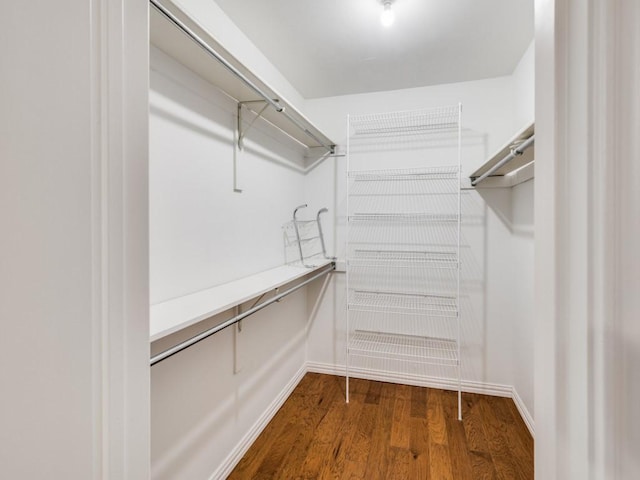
[(243, 132)]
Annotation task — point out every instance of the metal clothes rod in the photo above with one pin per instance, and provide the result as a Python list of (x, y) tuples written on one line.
[(207, 333), (514, 153), (202, 44)]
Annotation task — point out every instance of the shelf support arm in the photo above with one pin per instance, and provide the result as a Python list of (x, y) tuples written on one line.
[(243, 132)]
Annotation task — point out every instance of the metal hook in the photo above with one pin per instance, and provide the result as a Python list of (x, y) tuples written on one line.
[(324, 248), (295, 224)]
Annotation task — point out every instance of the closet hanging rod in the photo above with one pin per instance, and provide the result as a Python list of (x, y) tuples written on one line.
[(516, 152), (201, 43), (233, 70), (207, 333)]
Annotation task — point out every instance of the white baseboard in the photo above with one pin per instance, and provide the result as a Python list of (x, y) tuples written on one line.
[(417, 380), (524, 412), (241, 448), (468, 386)]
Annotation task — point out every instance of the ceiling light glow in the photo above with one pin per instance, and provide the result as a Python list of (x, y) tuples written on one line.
[(387, 16)]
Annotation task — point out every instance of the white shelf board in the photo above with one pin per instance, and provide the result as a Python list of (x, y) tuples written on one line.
[(168, 38), (175, 314), (526, 158)]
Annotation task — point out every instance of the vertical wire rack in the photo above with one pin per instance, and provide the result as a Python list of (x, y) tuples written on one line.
[(403, 245)]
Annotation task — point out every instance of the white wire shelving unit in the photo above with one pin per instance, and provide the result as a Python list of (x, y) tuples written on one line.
[(403, 241)]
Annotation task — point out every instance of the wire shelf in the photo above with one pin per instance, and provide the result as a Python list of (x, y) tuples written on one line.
[(412, 325), (406, 174), (409, 122), (406, 236), (413, 205), (403, 233), (404, 303), (404, 217), (402, 184), (308, 230), (439, 351), (403, 259)]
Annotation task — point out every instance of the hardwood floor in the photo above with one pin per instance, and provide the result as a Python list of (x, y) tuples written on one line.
[(389, 431)]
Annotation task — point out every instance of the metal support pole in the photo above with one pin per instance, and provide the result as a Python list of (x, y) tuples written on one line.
[(242, 133)]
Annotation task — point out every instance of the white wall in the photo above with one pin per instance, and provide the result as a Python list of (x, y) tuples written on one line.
[(524, 88), (73, 262), (523, 320), (46, 238), (206, 399), (203, 233), (522, 241)]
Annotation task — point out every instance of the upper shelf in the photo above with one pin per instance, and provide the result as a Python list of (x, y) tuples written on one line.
[(429, 120), (517, 163), (181, 37)]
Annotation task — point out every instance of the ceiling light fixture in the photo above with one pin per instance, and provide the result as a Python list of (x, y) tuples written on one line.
[(387, 16)]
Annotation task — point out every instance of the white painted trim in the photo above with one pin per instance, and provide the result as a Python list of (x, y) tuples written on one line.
[(546, 383), (120, 243), (524, 412), (468, 386), (245, 443)]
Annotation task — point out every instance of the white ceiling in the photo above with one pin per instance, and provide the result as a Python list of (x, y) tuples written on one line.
[(337, 47)]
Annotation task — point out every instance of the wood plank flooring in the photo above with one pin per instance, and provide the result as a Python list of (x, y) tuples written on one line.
[(389, 431)]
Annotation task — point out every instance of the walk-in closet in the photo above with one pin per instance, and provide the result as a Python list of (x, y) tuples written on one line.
[(295, 239), (381, 237)]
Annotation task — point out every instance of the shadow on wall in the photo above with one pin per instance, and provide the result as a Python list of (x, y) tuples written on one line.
[(205, 111), (473, 311), (498, 217), (513, 206)]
